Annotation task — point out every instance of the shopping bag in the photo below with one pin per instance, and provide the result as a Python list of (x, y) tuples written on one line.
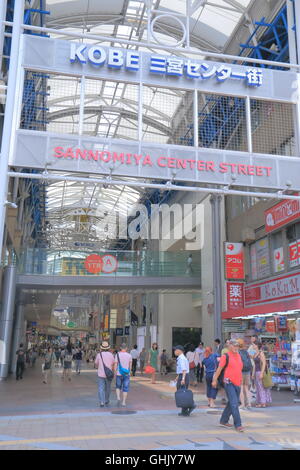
[(184, 398), (267, 379), (149, 370)]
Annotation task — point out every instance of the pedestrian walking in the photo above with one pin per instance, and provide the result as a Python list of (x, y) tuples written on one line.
[(245, 397), (20, 362), (218, 347), (49, 361), (152, 360), (189, 268), (225, 348), (104, 360), (182, 370), (232, 364), (34, 355), (200, 368), (68, 357), (57, 357), (211, 364), (163, 362), (143, 355), (123, 362), (193, 359), (78, 360), (263, 395), (135, 355)]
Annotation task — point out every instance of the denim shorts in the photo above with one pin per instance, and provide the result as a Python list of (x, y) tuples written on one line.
[(122, 382)]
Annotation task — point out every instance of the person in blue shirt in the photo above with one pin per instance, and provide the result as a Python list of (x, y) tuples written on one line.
[(211, 364)]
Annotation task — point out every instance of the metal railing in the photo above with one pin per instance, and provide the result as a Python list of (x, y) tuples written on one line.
[(129, 263)]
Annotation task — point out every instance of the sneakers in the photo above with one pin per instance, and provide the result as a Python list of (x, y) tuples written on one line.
[(240, 429), (101, 405), (226, 425), (183, 414)]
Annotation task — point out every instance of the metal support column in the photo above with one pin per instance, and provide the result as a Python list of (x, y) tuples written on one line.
[(216, 263), (7, 317), (9, 117), (17, 335), (148, 333)]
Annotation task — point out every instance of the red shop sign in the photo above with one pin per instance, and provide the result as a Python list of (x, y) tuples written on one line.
[(235, 295), (281, 214), (234, 261), (93, 264)]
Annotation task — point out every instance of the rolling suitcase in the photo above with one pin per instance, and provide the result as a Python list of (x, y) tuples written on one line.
[(184, 398)]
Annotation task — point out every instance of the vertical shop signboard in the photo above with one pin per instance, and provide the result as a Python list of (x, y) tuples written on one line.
[(263, 259), (294, 253), (235, 295), (234, 261), (253, 261), (278, 259)]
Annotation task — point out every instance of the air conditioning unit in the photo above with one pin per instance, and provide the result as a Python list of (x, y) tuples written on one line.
[(248, 235)]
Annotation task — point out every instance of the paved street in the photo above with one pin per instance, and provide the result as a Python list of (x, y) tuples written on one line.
[(66, 416)]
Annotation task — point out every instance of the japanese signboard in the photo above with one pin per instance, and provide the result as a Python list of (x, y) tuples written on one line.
[(235, 295), (234, 260), (281, 288), (281, 214), (294, 253)]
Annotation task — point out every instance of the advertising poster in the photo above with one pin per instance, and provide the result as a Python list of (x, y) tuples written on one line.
[(293, 254), (278, 259), (234, 261), (263, 259)]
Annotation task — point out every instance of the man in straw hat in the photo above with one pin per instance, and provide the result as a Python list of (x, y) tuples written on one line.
[(106, 358)]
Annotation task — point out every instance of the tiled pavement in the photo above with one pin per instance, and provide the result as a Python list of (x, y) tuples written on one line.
[(66, 416)]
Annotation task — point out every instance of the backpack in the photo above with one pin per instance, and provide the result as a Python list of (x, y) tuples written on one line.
[(247, 365), (221, 376), (68, 357)]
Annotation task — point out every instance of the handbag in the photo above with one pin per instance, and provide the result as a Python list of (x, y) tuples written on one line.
[(124, 372), (192, 364), (108, 372), (184, 398), (267, 379), (149, 370)]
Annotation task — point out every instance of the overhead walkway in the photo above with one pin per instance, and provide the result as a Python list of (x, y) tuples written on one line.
[(146, 270)]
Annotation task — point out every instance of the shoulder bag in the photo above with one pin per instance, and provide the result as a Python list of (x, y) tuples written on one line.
[(124, 372), (108, 372), (192, 364)]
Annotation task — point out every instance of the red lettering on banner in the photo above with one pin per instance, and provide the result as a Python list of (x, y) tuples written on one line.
[(81, 154), (181, 163), (162, 162), (93, 156), (107, 158), (242, 169), (137, 158), (159, 162), (69, 153), (58, 152), (223, 168), (119, 157), (147, 161)]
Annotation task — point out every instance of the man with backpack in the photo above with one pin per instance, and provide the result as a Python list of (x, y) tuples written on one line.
[(231, 366), (246, 375)]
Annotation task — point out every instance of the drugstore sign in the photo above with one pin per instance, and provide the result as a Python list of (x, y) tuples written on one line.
[(281, 288)]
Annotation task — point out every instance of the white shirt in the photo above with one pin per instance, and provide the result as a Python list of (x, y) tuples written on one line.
[(182, 364), (134, 354), (193, 356), (200, 352)]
